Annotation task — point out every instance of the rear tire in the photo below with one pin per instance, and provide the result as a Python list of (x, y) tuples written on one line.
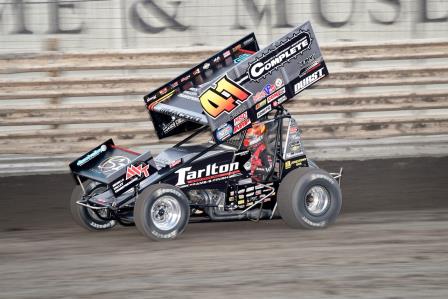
[(309, 198), (161, 212), (84, 216)]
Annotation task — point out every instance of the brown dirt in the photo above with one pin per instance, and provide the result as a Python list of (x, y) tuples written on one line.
[(389, 242)]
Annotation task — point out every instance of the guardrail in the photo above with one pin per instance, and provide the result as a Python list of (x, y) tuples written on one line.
[(376, 90)]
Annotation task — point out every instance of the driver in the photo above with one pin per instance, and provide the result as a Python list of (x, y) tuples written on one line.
[(261, 159)]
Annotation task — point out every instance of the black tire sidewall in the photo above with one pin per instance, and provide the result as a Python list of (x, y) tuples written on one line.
[(291, 198), (304, 184), (145, 202)]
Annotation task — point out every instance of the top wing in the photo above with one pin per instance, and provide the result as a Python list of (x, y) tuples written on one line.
[(249, 90)]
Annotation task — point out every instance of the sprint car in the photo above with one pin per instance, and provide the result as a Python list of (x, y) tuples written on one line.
[(249, 165)]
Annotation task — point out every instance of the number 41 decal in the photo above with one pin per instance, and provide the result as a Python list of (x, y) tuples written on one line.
[(222, 96)]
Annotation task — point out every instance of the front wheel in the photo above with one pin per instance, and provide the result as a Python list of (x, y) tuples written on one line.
[(161, 212), (309, 198)]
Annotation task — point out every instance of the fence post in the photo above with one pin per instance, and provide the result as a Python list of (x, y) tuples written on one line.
[(52, 45)]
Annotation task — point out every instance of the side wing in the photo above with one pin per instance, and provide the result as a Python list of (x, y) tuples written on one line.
[(174, 108)]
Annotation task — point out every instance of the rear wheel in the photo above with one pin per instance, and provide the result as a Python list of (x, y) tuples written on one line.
[(309, 198), (93, 220), (161, 212)]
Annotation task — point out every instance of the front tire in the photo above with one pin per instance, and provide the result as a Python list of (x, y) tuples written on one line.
[(309, 198), (85, 217), (161, 212)]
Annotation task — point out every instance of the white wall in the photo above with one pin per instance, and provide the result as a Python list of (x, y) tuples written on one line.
[(115, 24)]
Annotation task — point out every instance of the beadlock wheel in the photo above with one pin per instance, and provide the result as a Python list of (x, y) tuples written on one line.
[(317, 200), (161, 212), (165, 213)]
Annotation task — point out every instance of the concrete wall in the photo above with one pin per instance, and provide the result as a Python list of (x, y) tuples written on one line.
[(25, 25)]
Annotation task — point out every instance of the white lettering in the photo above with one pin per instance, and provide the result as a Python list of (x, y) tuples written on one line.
[(257, 69), (308, 81), (182, 172), (186, 174)]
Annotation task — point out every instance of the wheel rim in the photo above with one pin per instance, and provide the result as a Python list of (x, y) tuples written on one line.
[(317, 200), (165, 213)]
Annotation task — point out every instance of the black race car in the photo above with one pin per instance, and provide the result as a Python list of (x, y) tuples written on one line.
[(253, 167)]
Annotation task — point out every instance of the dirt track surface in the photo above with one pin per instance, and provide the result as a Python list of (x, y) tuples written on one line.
[(391, 241), (368, 255)]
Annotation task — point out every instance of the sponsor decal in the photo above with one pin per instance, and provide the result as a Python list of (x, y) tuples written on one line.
[(187, 95), (269, 88), (296, 147), (308, 80), (172, 125), (210, 173), (236, 48), (163, 91), (306, 61), (293, 154), (259, 96), (278, 82), (175, 84), (243, 153), (91, 155), (242, 57), (140, 170), (264, 111), (283, 53), (281, 100), (240, 118), (248, 41), (261, 104), (226, 54), (187, 77), (217, 59), (151, 98), (276, 94), (224, 132), (206, 66), (223, 97), (294, 163), (113, 164), (175, 163), (241, 125), (310, 68), (196, 72), (249, 193)]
